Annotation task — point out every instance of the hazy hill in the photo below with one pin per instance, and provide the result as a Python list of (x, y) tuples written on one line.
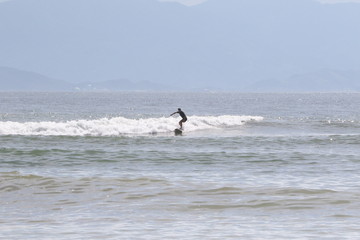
[(321, 81), (119, 85), (17, 80), (221, 44)]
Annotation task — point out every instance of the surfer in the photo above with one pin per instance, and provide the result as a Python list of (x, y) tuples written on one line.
[(182, 114)]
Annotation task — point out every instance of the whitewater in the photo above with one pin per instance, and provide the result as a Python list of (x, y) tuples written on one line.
[(121, 126)]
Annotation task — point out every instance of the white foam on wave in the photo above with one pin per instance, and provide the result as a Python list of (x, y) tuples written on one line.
[(121, 126)]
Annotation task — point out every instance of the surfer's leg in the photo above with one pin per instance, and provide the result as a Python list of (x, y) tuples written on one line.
[(180, 123)]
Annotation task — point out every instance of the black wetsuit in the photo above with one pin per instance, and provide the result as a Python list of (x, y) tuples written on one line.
[(182, 114)]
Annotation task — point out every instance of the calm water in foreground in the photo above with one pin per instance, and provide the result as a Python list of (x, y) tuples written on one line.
[(248, 166)]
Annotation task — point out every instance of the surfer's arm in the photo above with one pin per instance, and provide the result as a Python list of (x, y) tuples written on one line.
[(173, 113)]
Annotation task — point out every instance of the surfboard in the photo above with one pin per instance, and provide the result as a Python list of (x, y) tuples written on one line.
[(177, 132)]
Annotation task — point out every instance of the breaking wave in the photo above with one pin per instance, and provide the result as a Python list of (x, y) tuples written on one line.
[(121, 126)]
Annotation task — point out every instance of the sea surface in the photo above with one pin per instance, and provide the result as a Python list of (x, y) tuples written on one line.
[(248, 166)]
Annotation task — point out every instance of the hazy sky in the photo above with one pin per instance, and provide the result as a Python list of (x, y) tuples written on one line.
[(218, 43), (196, 2), (186, 2), (339, 1)]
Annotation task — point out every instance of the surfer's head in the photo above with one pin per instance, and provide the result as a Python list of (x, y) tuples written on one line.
[(179, 109)]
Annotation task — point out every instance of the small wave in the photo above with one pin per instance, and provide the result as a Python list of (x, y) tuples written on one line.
[(121, 126)]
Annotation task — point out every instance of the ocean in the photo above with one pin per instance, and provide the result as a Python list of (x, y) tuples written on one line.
[(248, 166)]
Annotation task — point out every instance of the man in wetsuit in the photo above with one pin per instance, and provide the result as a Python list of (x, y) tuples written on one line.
[(182, 114)]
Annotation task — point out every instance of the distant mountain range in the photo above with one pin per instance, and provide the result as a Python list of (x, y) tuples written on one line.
[(17, 80), (322, 81)]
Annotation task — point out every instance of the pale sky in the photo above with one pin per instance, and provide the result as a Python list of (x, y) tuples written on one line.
[(186, 2), (196, 2), (338, 1), (150, 40)]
